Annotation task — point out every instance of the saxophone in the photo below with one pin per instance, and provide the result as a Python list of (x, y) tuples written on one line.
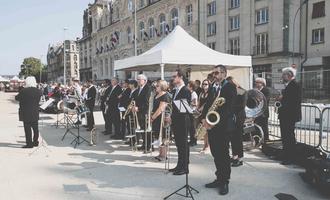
[(212, 117)]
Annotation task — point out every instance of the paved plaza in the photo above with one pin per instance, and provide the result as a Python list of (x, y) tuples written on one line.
[(112, 171)]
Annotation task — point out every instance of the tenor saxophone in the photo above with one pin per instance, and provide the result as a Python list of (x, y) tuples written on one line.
[(212, 117)]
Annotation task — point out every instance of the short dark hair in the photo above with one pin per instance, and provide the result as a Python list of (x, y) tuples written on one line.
[(180, 73), (126, 81), (107, 81), (133, 82), (198, 82), (89, 81), (224, 68)]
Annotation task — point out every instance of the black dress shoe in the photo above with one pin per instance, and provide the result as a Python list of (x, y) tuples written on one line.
[(237, 163), (286, 162), (27, 146), (173, 169), (223, 189), (213, 184), (35, 144), (180, 172), (85, 126)]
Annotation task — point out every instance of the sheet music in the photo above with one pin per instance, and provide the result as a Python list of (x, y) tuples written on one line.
[(183, 106), (46, 104), (121, 109)]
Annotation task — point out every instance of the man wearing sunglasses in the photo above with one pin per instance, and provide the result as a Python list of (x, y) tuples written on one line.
[(180, 124), (219, 135)]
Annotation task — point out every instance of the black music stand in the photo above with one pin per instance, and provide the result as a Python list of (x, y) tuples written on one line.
[(70, 124), (184, 108)]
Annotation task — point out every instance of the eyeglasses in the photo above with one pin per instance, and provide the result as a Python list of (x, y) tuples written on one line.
[(205, 84), (216, 73)]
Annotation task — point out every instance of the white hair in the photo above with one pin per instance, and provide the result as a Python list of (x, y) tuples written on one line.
[(292, 71), (262, 80), (30, 81), (142, 76)]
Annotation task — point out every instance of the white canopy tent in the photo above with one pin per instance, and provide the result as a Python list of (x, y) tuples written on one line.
[(181, 49)]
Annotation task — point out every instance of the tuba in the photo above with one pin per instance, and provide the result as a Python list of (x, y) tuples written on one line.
[(255, 106), (212, 117)]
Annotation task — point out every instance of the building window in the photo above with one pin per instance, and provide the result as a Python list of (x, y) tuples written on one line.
[(211, 8), (234, 3), (234, 23), (175, 17), (141, 3), (262, 16), (101, 68), (211, 45), (318, 10), (262, 44), (141, 26), (318, 36), (106, 67), (234, 46), (129, 35), (162, 23), (189, 15), (151, 28), (211, 29)]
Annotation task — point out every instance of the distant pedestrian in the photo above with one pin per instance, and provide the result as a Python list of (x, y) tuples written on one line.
[(29, 98)]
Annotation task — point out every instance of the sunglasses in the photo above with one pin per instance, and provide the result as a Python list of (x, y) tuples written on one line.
[(205, 84)]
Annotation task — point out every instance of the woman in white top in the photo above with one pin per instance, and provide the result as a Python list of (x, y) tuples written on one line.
[(194, 104)]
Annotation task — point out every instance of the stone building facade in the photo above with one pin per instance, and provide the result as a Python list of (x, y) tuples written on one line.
[(55, 61), (112, 30)]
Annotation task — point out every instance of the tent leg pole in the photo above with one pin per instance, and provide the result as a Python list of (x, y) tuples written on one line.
[(162, 71)]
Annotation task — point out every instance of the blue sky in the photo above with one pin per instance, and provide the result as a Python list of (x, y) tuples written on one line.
[(28, 26)]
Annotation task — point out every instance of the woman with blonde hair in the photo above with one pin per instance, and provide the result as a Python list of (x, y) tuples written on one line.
[(161, 101)]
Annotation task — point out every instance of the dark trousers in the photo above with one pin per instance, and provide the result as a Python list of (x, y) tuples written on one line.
[(192, 129), (28, 132), (124, 127), (114, 119), (263, 123), (236, 139), (106, 121), (219, 146), (180, 127), (288, 138), (90, 118)]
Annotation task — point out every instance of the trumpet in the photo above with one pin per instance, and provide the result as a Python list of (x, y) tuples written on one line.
[(277, 105), (129, 109)]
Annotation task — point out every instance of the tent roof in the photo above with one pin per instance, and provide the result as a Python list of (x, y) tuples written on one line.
[(15, 78), (3, 79), (180, 48)]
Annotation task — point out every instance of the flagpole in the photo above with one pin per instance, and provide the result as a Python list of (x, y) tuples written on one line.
[(135, 41)]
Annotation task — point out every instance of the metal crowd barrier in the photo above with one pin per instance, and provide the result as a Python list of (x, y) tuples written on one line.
[(313, 129), (325, 129)]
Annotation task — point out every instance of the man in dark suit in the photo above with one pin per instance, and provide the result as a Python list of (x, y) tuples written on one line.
[(124, 100), (289, 113), (142, 106), (263, 119), (112, 108), (180, 124), (29, 98), (132, 85), (90, 103), (219, 135), (103, 96)]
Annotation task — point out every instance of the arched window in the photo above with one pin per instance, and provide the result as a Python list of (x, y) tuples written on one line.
[(151, 28), (162, 24), (106, 44), (141, 28), (129, 35), (174, 17)]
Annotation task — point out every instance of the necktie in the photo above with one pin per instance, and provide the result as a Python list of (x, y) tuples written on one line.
[(176, 92)]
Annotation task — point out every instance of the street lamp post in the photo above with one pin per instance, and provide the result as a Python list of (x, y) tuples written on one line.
[(293, 29), (64, 57)]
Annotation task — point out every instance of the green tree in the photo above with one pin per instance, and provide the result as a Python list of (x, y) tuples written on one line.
[(31, 67)]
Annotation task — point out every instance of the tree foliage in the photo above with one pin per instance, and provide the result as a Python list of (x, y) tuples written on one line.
[(31, 67)]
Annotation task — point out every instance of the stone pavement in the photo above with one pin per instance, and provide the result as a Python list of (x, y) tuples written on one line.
[(111, 170)]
